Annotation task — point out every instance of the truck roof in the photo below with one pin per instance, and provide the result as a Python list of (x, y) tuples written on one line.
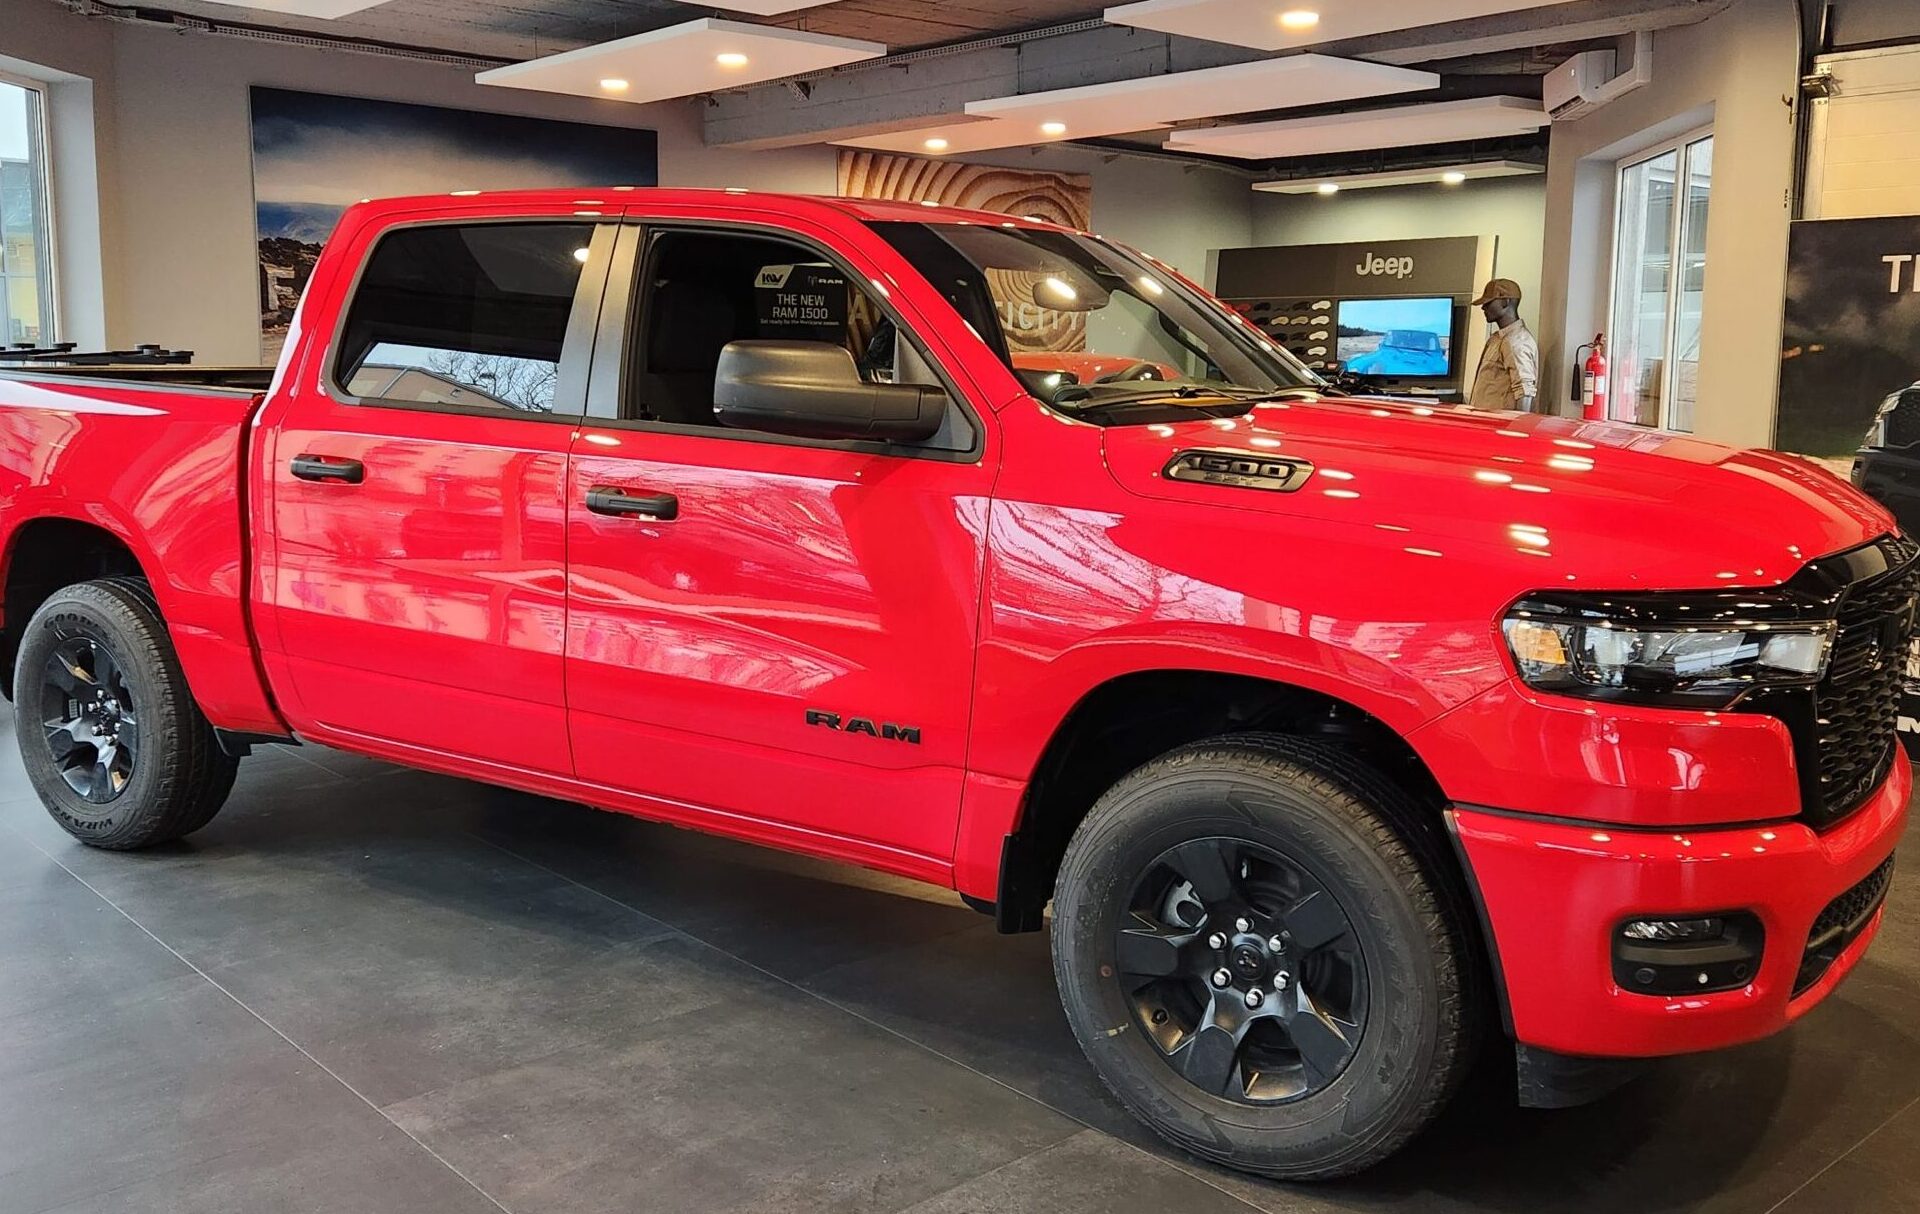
[(608, 200)]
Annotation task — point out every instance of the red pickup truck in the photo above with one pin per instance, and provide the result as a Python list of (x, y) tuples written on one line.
[(1344, 736)]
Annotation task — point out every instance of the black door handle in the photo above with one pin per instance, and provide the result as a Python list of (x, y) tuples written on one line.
[(321, 468), (658, 507)]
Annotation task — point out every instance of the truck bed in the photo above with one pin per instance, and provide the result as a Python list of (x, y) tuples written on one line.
[(242, 380)]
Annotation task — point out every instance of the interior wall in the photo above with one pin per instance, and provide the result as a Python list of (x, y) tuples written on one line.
[(168, 170), (1864, 22), (1738, 71), (174, 164), (1511, 208)]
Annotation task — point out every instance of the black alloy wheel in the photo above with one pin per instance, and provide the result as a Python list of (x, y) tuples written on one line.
[(1243, 970), (91, 734)]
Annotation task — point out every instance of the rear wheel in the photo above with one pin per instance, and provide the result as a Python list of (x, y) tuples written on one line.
[(1258, 959), (109, 733)]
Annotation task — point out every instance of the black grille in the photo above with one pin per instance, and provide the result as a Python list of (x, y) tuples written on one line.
[(1856, 708), (1903, 423), (1841, 924)]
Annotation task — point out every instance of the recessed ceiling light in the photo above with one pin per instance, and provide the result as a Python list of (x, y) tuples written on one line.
[(730, 59), (1329, 187), (1053, 129), (1453, 177), (613, 84), (937, 145), (1299, 19)]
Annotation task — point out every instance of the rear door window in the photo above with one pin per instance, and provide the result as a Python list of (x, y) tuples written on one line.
[(465, 316)]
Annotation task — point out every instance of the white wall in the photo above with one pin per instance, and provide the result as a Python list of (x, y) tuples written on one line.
[(175, 175), (173, 181), (1510, 208), (1737, 71)]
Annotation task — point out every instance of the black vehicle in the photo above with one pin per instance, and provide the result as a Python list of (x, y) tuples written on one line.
[(1887, 469)]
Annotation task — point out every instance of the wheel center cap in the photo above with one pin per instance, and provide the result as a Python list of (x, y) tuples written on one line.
[(1248, 961)]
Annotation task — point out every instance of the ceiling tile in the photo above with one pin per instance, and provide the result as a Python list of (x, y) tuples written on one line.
[(1365, 130), (702, 56), (1154, 102), (1276, 25)]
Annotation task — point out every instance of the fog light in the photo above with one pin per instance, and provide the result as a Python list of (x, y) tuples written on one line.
[(1688, 956), (1674, 930)]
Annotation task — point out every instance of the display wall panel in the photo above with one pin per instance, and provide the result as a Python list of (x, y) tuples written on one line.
[(1862, 160)]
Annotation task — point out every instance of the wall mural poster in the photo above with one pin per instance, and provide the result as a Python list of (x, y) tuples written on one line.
[(1852, 335), (315, 155), (1851, 340), (1062, 198)]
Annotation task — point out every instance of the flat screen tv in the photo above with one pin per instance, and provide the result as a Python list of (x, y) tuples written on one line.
[(1397, 338)]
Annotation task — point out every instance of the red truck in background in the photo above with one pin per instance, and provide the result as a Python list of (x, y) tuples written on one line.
[(1342, 735)]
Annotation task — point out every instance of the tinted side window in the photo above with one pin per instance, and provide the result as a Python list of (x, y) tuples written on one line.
[(464, 315), (703, 290)]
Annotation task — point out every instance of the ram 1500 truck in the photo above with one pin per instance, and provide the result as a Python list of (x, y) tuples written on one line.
[(1340, 734)]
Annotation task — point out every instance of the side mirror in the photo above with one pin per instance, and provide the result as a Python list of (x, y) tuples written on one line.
[(813, 389)]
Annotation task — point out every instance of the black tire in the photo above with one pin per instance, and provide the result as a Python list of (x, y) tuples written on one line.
[(177, 777), (1304, 808)]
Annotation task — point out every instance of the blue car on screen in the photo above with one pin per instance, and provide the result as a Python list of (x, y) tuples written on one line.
[(1403, 352)]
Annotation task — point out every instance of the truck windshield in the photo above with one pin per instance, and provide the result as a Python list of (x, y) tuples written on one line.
[(1092, 328)]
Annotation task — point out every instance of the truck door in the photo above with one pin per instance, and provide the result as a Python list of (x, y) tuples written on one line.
[(763, 627), (415, 580)]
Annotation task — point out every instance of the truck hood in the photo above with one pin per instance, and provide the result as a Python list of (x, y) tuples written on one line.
[(1613, 506)]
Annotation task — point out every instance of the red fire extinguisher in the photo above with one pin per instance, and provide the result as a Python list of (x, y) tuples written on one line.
[(1594, 384)]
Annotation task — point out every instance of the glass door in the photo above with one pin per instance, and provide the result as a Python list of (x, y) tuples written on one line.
[(1659, 284), (26, 267)]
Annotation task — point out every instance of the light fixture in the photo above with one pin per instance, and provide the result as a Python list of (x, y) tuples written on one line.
[(1439, 174), (1329, 187), (1299, 19), (613, 84), (581, 255), (730, 59), (937, 144), (1053, 130)]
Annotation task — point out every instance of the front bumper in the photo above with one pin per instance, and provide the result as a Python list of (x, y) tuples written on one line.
[(1553, 892)]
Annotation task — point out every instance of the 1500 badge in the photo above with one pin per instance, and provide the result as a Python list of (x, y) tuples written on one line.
[(1239, 470), (885, 731)]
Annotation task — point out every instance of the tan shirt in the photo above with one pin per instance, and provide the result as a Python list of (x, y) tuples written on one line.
[(1509, 369)]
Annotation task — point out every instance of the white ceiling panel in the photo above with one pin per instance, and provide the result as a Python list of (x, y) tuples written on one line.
[(1154, 102), (1365, 130), (765, 8), (705, 56), (325, 9), (1275, 25), (1450, 174)]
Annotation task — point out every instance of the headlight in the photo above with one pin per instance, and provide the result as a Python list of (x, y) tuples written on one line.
[(1585, 651)]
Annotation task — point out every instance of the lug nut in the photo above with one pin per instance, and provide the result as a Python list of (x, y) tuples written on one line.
[(1222, 978), (1281, 981), (1243, 925), (1216, 942), (1276, 944), (1255, 998)]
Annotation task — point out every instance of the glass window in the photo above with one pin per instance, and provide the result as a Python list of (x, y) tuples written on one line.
[(705, 290), (26, 263), (1087, 325), (465, 315), (1659, 284)]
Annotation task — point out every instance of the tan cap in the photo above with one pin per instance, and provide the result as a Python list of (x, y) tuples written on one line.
[(1499, 288)]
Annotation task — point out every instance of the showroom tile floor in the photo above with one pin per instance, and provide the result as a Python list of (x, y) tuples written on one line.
[(368, 989)]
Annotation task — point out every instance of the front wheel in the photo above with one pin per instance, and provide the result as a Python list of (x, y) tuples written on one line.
[(109, 732), (1259, 962)]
